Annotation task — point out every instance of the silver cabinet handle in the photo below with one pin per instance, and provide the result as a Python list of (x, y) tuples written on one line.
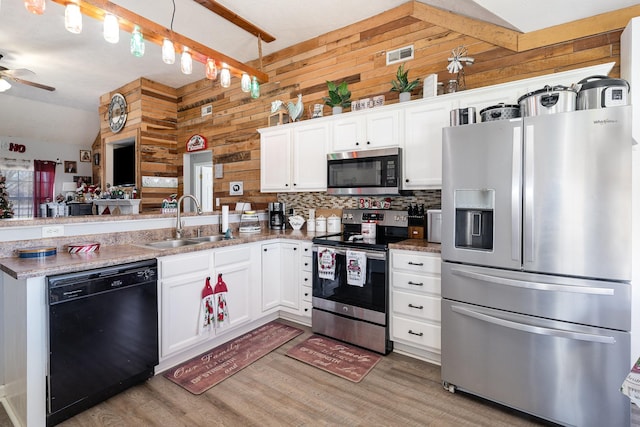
[(538, 286), (529, 247), (516, 193), (415, 283), (538, 330), (419, 307), (416, 333), (419, 264)]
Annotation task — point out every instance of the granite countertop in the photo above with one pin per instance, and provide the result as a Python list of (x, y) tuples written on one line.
[(108, 255)]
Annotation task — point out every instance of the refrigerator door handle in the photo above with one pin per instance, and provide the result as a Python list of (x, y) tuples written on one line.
[(516, 188), (538, 286), (528, 194), (539, 330)]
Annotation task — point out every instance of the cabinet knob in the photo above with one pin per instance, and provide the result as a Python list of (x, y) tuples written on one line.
[(286, 185), (368, 142), (306, 279), (357, 143), (306, 294), (294, 184), (406, 180), (265, 249), (295, 249)]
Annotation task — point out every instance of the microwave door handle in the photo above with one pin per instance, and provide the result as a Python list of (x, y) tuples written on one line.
[(538, 330), (536, 286), (516, 191), (529, 245)]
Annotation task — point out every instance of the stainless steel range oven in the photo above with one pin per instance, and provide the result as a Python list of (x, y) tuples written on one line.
[(345, 308)]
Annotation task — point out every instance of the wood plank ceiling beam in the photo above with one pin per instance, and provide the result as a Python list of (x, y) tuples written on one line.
[(157, 33), (236, 19)]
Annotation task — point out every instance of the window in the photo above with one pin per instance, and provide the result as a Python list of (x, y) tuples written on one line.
[(19, 185)]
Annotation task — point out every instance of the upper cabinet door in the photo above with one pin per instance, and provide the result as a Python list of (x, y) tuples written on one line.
[(383, 129), (310, 145), (348, 133), (275, 160), (365, 130), (422, 152)]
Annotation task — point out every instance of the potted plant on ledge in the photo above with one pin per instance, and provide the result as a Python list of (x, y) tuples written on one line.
[(339, 97), (403, 85)]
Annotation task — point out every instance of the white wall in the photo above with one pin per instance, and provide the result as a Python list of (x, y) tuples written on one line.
[(47, 150), (630, 67)]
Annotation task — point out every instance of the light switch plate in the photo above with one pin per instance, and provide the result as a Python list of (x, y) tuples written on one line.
[(236, 188), (53, 231), (217, 173)]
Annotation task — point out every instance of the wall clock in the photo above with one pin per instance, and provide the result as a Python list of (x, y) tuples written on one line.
[(117, 112)]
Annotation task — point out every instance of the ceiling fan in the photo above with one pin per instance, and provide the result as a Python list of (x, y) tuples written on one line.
[(13, 75)]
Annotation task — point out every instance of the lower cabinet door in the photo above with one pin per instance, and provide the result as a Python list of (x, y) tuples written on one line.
[(237, 277)]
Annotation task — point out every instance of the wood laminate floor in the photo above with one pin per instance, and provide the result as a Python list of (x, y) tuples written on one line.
[(279, 391)]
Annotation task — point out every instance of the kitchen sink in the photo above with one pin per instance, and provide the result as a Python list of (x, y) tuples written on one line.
[(204, 239), (168, 244)]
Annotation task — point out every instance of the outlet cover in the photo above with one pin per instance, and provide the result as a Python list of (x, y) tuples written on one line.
[(207, 110), (236, 188), (53, 231)]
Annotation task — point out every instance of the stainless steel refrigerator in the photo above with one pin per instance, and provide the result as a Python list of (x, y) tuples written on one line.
[(536, 250)]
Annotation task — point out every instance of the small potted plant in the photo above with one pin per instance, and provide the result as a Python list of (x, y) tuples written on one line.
[(403, 85), (339, 97)]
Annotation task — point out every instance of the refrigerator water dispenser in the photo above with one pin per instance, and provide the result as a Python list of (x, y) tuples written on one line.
[(474, 219)]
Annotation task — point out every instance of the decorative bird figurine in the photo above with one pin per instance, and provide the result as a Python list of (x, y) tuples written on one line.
[(295, 110), (276, 105)]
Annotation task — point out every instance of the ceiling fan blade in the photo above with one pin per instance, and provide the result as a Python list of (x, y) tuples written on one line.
[(28, 83), (16, 71)]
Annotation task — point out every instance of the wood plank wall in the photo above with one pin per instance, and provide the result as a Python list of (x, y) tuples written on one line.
[(355, 54), (152, 121)]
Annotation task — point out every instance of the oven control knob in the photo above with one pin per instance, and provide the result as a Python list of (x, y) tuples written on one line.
[(345, 309)]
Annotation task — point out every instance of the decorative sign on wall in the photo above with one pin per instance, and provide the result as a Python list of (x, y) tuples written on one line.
[(196, 143), (13, 147)]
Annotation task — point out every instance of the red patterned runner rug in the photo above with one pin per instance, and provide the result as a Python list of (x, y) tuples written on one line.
[(202, 372), (346, 361)]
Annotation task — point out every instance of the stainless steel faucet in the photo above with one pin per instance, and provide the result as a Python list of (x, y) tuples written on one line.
[(178, 221)]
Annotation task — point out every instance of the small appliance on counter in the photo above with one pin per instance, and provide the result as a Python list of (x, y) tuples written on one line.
[(434, 226), (249, 222), (602, 92), (277, 216)]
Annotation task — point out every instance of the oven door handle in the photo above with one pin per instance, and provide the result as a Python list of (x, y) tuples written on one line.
[(369, 254)]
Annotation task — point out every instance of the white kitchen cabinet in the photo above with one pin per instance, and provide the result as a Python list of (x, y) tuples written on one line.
[(235, 265), (271, 272), (366, 130), (422, 148), (415, 303), (294, 157), (289, 274), (275, 159), (181, 280), (306, 275)]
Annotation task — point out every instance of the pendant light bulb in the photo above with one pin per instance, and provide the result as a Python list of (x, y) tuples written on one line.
[(35, 6), (255, 88), (211, 70), (245, 82), (186, 62), (137, 42), (225, 77), (4, 85), (168, 52), (73, 18), (111, 28)]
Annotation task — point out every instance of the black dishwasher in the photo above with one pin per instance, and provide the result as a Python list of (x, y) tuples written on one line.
[(103, 335)]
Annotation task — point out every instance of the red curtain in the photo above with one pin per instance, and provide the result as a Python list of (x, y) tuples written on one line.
[(43, 180)]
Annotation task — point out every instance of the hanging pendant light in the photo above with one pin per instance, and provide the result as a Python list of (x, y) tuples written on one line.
[(111, 28), (225, 76), (255, 88), (137, 42), (4, 85), (186, 63), (168, 52), (211, 71), (35, 6), (73, 18), (245, 82)]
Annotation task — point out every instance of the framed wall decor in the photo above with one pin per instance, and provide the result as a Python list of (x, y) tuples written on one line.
[(85, 155), (70, 167), (96, 159)]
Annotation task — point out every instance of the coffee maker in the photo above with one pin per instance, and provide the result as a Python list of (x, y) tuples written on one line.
[(277, 217)]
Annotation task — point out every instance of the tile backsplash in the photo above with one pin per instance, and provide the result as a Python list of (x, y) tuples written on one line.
[(302, 202)]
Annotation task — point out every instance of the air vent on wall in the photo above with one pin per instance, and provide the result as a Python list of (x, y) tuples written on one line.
[(399, 55)]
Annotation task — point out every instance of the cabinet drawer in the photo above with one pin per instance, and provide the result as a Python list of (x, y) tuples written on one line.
[(306, 277), (306, 249), (306, 293), (184, 264), (305, 309), (423, 334), (231, 256), (420, 306), (418, 262), (422, 283), (305, 263)]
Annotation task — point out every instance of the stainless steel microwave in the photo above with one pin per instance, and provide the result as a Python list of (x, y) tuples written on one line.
[(367, 172)]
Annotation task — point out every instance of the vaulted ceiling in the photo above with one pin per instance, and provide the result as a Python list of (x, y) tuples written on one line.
[(82, 67)]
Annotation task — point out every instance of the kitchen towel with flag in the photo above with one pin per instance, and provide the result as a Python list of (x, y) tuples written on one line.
[(207, 312), (220, 298), (326, 263), (356, 268)]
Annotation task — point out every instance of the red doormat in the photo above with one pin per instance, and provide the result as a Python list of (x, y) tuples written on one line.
[(199, 374), (346, 361)]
